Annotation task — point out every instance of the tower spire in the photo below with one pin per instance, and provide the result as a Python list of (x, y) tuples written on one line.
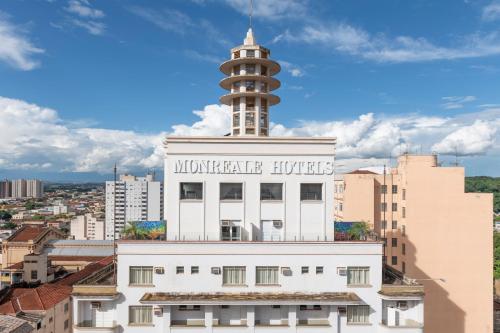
[(250, 82), (250, 15)]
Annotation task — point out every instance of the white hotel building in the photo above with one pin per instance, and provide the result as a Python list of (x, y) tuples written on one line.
[(250, 238)]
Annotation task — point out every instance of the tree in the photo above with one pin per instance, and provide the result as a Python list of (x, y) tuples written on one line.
[(5, 215), (358, 231), (9, 225)]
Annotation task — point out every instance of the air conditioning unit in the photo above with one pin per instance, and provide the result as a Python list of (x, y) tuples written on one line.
[(342, 271), (216, 270), (286, 271), (278, 224), (159, 270), (342, 310), (226, 223), (402, 305), (95, 305), (158, 311)]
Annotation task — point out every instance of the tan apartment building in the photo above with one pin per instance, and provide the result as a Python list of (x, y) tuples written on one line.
[(434, 232)]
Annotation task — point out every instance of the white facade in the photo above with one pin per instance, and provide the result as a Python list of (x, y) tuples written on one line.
[(19, 188), (250, 246), (60, 209), (137, 199), (34, 188), (87, 227)]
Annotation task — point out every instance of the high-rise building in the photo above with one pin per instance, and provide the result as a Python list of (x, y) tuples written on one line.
[(5, 189), (137, 199), (433, 232), (19, 188), (34, 188), (87, 227), (250, 239)]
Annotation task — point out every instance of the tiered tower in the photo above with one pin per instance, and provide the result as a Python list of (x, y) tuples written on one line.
[(250, 81)]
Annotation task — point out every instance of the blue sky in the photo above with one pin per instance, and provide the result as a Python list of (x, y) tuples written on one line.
[(86, 83)]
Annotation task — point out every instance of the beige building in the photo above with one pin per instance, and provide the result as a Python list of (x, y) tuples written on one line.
[(87, 227), (434, 232)]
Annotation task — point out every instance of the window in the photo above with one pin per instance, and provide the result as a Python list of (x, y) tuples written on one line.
[(236, 104), (276, 306), (250, 68), (384, 259), (403, 213), (250, 53), (341, 206), (383, 206), (263, 70), (193, 191), (358, 275), (384, 224), (394, 207), (34, 275), (179, 270), (403, 230), (263, 119), (231, 191), (310, 307), (236, 54), (263, 87), (394, 224), (311, 191), (236, 70), (189, 307), (319, 269), (358, 314), (233, 275), (403, 195), (140, 315), (250, 103), (195, 269), (250, 119), (271, 191), (305, 269), (267, 275), (230, 231), (66, 307), (394, 242), (236, 120), (384, 240), (394, 189), (403, 248), (403, 267), (383, 189), (394, 260), (263, 54), (250, 85), (51, 319), (66, 324), (141, 275)]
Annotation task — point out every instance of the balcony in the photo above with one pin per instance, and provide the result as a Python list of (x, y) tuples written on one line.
[(90, 326)]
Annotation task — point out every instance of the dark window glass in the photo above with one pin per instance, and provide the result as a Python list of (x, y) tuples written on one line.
[(250, 68), (394, 207), (394, 260), (394, 242), (394, 225), (191, 191), (311, 191), (383, 189), (250, 53), (231, 191), (34, 275), (271, 191), (394, 189)]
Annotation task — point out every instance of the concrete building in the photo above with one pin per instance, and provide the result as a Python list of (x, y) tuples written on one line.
[(137, 199), (19, 188), (250, 244), (34, 188), (60, 209), (87, 227), (5, 189), (434, 232)]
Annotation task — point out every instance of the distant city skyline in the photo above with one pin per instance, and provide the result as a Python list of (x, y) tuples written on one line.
[(86, 84)]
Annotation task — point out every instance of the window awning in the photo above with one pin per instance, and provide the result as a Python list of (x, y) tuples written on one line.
[(253, 298)]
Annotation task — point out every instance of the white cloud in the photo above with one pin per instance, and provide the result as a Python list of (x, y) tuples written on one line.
[(491, 12), (347, 39), (468, 140), (271, 9), (294, 70), (83, 8), (92, 27), (15, 48), (456, 102), (166, 19), (203, 57), (35, 137)]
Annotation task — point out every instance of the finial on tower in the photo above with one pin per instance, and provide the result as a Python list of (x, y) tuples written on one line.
[(250, 14), (249, 39)]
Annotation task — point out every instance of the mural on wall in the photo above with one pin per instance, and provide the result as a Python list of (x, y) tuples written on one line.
[(351, 230), (151, 230)]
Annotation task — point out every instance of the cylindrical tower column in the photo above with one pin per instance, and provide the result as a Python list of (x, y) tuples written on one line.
[(250, 81)]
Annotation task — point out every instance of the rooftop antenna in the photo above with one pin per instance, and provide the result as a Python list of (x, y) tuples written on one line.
[(114, 227), (250, 14)]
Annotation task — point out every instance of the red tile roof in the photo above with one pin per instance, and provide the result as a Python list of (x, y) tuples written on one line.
[(26, 233), (48, 295), (17, 265), (362, 172), (76, 258)]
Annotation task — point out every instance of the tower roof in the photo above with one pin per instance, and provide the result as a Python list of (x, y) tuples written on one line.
[(249, 39)]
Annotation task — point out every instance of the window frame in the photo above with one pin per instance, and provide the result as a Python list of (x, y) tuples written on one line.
[(221, 198), (302, 192), (182, 195), (365, 315), (320, 270), (143, 307), (365, 276), (195, 270), (240, 283), (179, 270), (275, 274), (141, 269), (304, 270), (263, 198)]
